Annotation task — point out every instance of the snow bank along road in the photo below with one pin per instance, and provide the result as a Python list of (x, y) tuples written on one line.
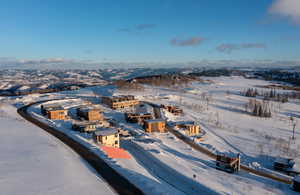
[(119, 183), (212, 155)]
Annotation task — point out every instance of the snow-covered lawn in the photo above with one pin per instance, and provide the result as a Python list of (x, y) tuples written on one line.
[(33, 162)]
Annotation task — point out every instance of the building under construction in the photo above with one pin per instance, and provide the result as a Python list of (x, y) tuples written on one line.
[(137, 117), (173, 109), (227, 163), (155, 125), (189, 128), (119, 102)]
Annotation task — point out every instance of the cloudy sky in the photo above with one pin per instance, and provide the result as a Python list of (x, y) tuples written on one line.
[(148, 31)]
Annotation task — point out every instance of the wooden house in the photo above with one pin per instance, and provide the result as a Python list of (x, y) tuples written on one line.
[(84, 127), (173, 109), (107, 137), (228, 163), (54, 112), (190, 129), (137, 117), (119, 102), (90, 114), (155, 125)]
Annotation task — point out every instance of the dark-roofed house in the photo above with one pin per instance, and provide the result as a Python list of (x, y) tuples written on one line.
[(90, 114), (107, 137), (54, 112)]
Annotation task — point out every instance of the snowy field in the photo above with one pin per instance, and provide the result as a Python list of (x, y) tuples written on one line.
[(33, 162), (162, 164)]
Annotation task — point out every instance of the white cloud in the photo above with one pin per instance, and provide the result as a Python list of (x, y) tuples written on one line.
[(286, 8)]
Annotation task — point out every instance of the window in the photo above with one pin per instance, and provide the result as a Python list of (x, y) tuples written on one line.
[(116, 135), (116, 142)]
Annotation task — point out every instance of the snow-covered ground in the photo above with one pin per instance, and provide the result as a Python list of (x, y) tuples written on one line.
[(162, 164), (33, 162)]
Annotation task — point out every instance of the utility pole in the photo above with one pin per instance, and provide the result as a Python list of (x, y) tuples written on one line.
[(294, 123), (294, 126)]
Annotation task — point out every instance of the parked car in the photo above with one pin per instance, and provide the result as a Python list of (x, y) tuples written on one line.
[(286, 165)]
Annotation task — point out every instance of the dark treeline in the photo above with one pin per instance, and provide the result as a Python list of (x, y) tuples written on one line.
[(272, 94), (276, 75)]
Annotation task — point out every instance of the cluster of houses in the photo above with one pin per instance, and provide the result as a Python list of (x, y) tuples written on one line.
[(91, 121)]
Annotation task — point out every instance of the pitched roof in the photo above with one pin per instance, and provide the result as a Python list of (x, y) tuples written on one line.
[(105, 131)]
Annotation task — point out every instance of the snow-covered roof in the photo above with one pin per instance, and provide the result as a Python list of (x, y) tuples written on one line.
[(105, 131), (155, 120)]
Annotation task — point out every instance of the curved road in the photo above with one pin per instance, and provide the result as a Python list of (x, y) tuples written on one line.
[(118, 182)]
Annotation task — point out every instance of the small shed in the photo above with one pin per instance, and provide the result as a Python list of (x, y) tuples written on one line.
[(107, 137), (155, 125)]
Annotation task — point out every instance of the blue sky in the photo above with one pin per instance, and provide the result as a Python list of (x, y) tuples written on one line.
[(169, 31)]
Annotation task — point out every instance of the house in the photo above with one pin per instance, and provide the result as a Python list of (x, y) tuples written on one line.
[(296, 183), (137, 117), (228, 163), (190, 129), (173, 109), (107, 137), (90, 114), (117, 102), (54, 112), (155, 125), (84, 126)]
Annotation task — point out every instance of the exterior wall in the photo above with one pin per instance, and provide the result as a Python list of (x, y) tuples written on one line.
[(94, 115), (90, 115), (85, 128), (155, 127), (56, 114), (119, 104), (135, 118), (193, 130), (109, 140), (124, 104)]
